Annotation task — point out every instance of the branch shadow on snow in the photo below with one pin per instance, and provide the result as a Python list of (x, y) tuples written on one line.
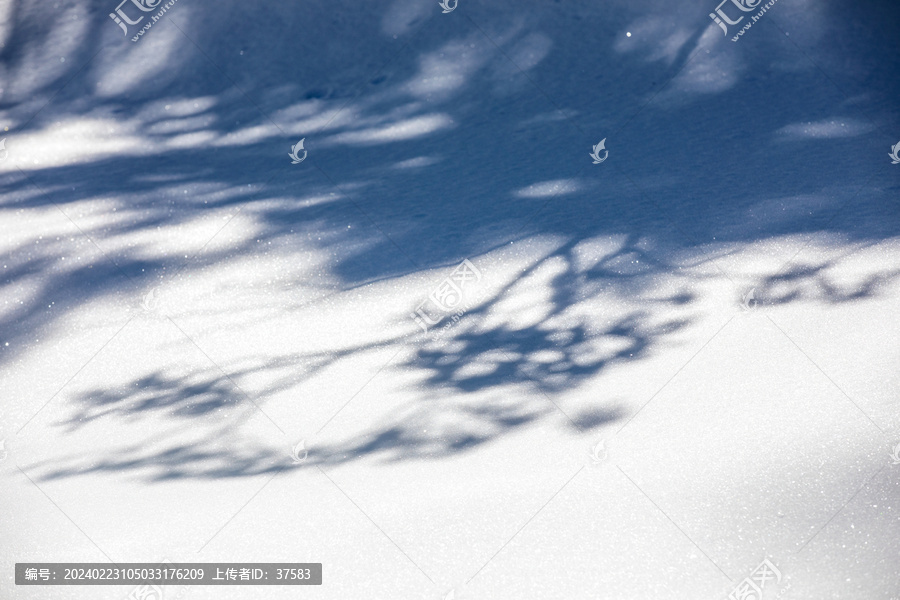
[(408, 172)]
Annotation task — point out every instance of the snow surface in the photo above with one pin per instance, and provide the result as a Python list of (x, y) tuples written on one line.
[(676, 363)]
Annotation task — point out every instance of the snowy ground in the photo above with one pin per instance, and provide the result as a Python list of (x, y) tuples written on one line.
[(674, 364)]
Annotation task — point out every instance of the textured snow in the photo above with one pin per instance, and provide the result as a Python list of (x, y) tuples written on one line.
[(675, 364)]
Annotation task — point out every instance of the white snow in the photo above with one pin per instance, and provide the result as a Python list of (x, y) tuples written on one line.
[(675, 364)]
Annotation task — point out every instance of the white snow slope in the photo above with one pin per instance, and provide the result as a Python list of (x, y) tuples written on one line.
[(655, 371)]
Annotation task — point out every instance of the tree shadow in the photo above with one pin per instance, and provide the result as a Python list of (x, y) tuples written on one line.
[(455, 147)]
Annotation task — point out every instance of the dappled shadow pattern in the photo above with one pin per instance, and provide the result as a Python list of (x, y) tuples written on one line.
[(428, 143)]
